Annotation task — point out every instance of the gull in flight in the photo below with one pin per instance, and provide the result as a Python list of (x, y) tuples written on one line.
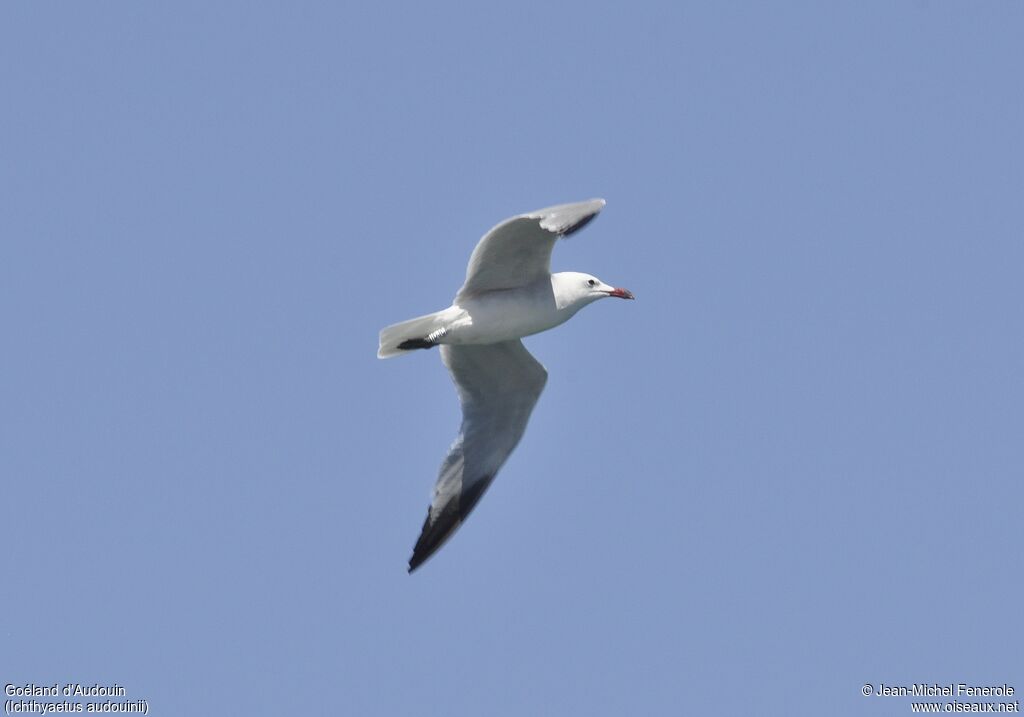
[(509, 293)]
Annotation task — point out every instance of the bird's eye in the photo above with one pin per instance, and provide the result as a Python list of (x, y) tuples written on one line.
[(591, 282)]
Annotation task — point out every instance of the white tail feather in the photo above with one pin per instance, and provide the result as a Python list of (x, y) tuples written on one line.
[(418, 328)]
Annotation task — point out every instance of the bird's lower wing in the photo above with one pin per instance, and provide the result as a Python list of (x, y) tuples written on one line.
[(498, 386)]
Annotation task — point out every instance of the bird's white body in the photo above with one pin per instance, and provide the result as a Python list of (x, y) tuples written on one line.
[(509, 293), (494, 316)]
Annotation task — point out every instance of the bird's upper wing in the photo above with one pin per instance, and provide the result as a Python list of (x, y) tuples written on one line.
[(518, 251), (498, 386)]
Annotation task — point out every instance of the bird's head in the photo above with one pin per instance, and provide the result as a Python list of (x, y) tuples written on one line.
[(575, 289)]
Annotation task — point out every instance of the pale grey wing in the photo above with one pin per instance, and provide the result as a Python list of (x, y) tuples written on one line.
[(518, 251), (498, 386)]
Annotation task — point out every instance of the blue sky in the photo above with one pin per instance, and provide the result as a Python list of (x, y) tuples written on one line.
[(791, 467)]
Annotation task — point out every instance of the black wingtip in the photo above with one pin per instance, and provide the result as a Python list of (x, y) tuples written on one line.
[(410, 344), (420, 554), (422, 549), (435, 533), (579, 225), (432, 537)]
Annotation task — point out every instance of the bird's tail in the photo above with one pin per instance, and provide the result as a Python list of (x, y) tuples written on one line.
[(419, 333)]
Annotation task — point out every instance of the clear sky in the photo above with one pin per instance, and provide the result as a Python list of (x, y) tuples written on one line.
[(792, 467)]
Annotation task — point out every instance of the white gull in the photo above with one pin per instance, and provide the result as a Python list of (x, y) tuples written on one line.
[(509, 293)]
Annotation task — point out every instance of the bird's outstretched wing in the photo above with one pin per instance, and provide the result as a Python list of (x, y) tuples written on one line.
[(498, 386), (518, 251)]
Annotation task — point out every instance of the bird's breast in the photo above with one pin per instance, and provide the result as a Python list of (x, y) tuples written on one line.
[(508, 314)]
